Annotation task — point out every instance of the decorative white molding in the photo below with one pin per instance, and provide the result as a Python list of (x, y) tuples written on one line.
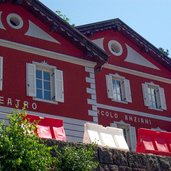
[(134, 112), (1, 25), (46, 53), (91, 101), (136, 58), (90, 80), (92, 90), (99, 42), (137, 73), (37, 32), (90, 70)]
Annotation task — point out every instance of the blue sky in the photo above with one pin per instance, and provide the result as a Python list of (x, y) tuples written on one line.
[(150, 18)]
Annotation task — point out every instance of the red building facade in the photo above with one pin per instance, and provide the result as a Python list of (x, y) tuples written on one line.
[(103, 72)]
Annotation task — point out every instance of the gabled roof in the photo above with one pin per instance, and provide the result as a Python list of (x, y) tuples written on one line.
[(57, 24), (118, 25)]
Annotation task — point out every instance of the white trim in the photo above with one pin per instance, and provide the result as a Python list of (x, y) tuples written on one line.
[(15, 16), (95, 119), (94, 108), (90, 80), (45, 101), (1, 25), (91, 91), (92, 113), (134, 112), (137, 73), (46, 53), (117, 45), (90, 70), (91, 102), (93, 86)]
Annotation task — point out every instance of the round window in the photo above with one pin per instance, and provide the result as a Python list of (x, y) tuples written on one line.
[(15, 21), (115, 47)]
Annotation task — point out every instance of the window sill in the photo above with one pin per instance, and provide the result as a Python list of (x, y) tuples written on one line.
[(45, 101), (119, 101), (155, 109)]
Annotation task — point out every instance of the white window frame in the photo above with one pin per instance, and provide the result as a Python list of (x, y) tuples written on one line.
[(1, 73), (125, 88), (160, 101), (131, 134), (57, 87)]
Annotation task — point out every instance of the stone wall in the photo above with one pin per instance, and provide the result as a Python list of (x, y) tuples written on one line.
[(116, 160)]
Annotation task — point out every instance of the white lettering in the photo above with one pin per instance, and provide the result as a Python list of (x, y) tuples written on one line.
[(34, 106), (1, 100), (9, 102), (26, 104), (17, 104)]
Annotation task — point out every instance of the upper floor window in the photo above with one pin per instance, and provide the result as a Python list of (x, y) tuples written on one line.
[(118, 88), (45, 82), (154, 96)]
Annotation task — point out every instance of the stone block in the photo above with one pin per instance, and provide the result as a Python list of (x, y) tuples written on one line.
[(153, 163), (137, 160), (164, 163), (105, 156), (120, 158), (125, 168)]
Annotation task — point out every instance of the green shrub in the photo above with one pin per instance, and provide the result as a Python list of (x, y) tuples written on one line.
[(20, 148), (78, 158)]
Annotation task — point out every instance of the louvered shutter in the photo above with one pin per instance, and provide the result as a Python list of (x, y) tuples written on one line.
[(59, 86), (145, 94), (109, 85), (127, 91), (162, 98), (31, 80), (133, 138), (1, 72)]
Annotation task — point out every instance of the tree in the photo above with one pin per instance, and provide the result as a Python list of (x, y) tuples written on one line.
[(165, 52), (20, 148), (64, 17)]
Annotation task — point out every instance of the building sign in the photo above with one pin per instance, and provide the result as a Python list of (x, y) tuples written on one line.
[(11, 102), (117, 116)]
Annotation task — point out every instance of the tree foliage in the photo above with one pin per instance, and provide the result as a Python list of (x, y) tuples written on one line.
[(78, 158), (165, 52), (63, 16), (20, 148)]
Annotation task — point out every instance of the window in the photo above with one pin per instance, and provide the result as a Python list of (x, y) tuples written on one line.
[(118, 88), (1, 72), (154, 96), (115, 47), (45, 82), (15, 21), (129, 133)]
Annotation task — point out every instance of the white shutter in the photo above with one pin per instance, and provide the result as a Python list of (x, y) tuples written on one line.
[(145, 94), (133, 138), (109, 85), (59, 86), (127, 90), (31, 80), (162, 98), (1, 72)]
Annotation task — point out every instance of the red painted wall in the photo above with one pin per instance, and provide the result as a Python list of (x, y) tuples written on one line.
[(135, 84), (14, 84)]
